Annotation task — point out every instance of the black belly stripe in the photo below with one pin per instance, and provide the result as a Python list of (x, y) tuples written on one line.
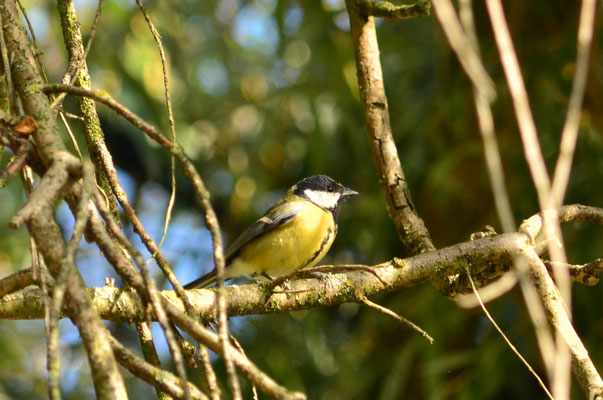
[(317, 253)]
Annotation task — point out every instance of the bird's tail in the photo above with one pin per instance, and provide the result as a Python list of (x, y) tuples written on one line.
[(203, 282)]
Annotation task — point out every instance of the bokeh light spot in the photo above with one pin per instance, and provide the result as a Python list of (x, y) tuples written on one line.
[(255, 29), (213, 76), (297, 54)]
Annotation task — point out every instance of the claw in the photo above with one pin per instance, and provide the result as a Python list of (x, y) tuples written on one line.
[(325, 278)]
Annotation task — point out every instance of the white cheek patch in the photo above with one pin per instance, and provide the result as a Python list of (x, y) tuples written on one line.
[(322, 199)]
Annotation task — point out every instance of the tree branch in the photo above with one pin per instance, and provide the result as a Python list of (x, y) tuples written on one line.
[(410, 226), (159, 378), (305, 293), (385, 9)]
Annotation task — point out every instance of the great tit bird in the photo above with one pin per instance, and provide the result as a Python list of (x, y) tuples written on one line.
[(296, 232)]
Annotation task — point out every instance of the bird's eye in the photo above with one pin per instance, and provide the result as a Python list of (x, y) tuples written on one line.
[(330, 189)]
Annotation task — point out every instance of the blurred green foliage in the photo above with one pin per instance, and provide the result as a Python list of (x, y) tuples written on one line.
[(265, 93)]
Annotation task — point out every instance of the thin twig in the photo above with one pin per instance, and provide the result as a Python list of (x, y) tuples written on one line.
[(70, 133), (572, 121), (168, 103), (488, 293), (173, 148), (37, 51), (467, 56), (529, 136), (150, 352), (11, 93), (210, 375), (540, 177), (390, 313), (513, 348), (487, 131)]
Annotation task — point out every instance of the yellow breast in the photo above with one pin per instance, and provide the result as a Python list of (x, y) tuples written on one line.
[(301, 243)]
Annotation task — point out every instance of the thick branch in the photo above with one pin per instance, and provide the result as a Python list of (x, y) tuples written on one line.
[(28, 83), (92, 129), (584, 370), (491, 252), (410, 226)]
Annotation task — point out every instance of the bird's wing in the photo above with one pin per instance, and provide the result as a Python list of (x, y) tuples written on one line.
[(278, 215)]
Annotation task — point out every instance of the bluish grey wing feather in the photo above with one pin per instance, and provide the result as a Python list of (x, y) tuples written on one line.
[(277, 216)]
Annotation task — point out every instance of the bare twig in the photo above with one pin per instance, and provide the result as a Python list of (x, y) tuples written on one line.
[(540, 177), (70, 133), (572, 122), (149, 352), (390, 313), (210, 374), (506, 339), (486, 125), (489, 292), (37, 51), (305, 272), (533, 226), (11, 95), (168, 103), (527, 127), (224, 335), (467, 56)]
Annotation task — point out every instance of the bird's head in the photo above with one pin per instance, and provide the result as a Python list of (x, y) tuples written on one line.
[(323, 191)]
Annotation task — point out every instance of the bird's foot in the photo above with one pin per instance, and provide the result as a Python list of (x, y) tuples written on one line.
[(325, 278)]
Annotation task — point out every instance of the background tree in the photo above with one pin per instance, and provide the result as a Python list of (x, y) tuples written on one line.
[(264, 93)]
